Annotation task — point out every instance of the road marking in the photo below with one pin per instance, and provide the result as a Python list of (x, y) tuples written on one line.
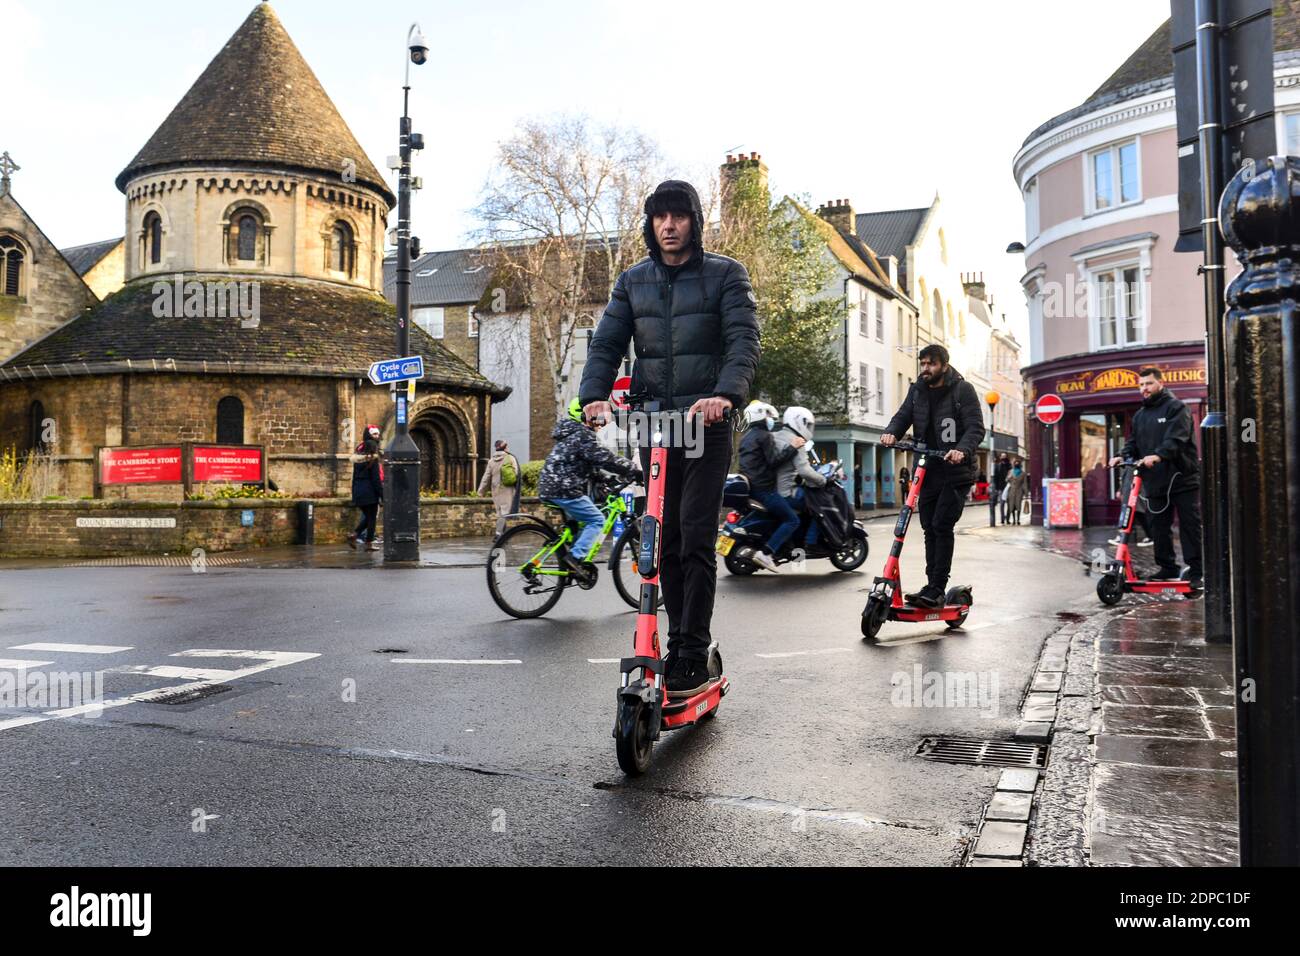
[(174, 673), (439, 660), (823, 650), (9, 664), (603, 660), (71, 648), (268, 660)]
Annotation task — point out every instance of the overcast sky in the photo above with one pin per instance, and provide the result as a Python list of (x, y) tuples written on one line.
[(883, 103)]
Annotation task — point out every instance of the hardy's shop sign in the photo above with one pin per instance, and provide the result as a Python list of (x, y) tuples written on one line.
[(1125, 379)]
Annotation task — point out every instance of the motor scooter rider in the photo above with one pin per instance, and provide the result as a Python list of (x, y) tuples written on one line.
[(797, 423), (760, 460)]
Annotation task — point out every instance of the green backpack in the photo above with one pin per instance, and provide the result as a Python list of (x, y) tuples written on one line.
[(509, 474)]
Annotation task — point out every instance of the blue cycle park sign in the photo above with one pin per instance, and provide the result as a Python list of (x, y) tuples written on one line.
[(397, 370)]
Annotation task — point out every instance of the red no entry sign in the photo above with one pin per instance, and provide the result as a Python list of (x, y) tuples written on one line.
[(1049, 409), (619, 394)]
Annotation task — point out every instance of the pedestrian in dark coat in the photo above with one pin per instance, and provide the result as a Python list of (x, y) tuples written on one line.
[(367, 489)]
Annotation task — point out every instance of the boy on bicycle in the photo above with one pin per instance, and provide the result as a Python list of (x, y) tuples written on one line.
[(568, 469)]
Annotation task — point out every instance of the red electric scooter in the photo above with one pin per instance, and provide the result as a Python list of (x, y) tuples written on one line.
[(1119, 577), (886, 599), (644, 709)]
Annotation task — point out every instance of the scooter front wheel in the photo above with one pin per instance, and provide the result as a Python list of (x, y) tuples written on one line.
[(873, 616), (632, 741), (1110, 588)]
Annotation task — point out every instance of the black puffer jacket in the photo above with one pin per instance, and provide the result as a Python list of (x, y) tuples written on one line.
[(960, 405), (1163, 426), (760, 458), (696, 334)]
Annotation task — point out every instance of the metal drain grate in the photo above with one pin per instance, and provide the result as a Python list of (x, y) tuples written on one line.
[(983, 753), (185, 695)]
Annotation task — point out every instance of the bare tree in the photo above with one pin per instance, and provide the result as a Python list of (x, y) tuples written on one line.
[(561, 219)]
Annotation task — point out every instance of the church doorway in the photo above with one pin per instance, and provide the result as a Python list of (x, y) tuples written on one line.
[(445, 462)]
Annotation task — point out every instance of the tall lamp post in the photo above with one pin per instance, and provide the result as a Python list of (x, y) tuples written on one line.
[(402, 489), (992, 398)]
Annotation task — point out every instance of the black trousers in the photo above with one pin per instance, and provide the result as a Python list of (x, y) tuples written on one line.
[(688, 571), (1160, 525), (940, 508), (365, 529)]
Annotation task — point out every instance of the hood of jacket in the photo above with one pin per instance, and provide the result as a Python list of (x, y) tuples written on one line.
[(498, 456), (565, 427), (674, 194)]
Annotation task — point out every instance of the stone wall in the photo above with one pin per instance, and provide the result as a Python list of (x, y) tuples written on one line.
[(50, 529), (309, 424)]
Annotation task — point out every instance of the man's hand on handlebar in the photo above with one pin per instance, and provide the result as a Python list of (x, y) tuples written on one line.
[(798, 441), (954, 457), (597, 413), (713, 409), (1117, 460), (1150, 461), (887, 439)]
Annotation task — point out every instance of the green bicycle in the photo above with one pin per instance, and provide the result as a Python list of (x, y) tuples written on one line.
[(529, 565)]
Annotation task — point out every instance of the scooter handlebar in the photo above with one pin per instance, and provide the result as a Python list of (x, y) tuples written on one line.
[(919, 449)]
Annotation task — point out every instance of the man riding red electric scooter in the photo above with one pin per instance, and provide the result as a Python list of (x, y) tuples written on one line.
[(886, 599), (1120, 577)]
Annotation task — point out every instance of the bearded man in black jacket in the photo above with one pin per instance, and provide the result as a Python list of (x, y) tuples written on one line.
[(691, 316), (943, 412), (1162, 438)]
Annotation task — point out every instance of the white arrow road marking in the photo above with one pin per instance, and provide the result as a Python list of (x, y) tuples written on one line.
[(823, 650), (174, 673), (71, 648), (268, 660), (417, 660), (9, 664)]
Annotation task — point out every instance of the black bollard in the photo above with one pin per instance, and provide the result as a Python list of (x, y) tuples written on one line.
[(1260, 212)]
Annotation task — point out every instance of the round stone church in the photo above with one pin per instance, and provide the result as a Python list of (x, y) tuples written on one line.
[(251, 304)]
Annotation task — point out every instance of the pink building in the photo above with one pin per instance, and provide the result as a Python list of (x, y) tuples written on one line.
[(1106, 292)]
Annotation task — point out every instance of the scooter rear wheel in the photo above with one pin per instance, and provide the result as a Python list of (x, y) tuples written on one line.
[(715, 671), (1110, 588), (633, 743), (959, 596)]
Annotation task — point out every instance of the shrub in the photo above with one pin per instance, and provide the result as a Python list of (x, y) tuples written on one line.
[(27, 477), (532, 469)]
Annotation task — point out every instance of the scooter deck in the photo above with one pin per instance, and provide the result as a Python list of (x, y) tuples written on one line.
[(948, 612), (1163, 586), (684, 711)]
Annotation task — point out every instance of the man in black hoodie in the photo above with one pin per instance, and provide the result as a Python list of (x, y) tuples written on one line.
[(1162, 437), (943, 412), (691, 315)]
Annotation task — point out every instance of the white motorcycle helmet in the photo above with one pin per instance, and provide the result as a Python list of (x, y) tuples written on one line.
[(801, 421), (756, 412)]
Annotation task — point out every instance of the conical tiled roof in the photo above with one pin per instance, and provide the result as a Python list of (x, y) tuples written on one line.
[(257, 104)]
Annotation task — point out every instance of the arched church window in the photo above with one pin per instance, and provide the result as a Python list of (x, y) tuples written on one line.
[(153, 237), (230, 421), (341, 248), (12, 260), (36, 427), (248, 226)]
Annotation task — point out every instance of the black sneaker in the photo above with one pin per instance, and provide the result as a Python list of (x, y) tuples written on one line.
[(929, 596), (688, 677), (1162, 574)]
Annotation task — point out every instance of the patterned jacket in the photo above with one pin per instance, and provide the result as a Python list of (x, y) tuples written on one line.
[(575, 456)]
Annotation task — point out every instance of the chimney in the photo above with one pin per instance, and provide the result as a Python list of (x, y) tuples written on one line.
[(742, 168), (973, 283), (839, 213)]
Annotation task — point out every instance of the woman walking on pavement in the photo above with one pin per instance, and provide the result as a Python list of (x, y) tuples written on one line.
[(505, 494), (367, 489), (1017, 481)]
